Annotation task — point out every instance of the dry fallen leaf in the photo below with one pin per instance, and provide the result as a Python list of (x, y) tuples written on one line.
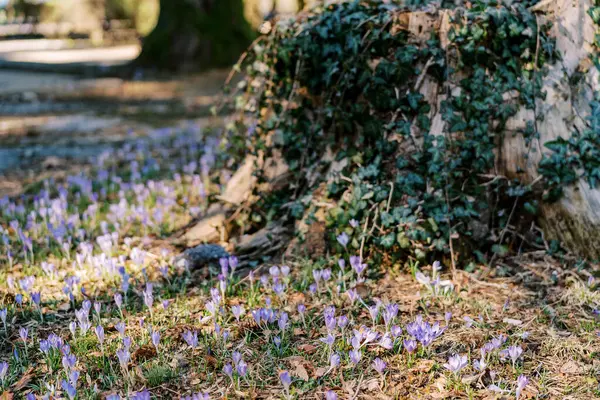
[(424, 365), (571, 368), (373, 385), (469, 379), (319, 372), (143, 353), (139, 373), (307, 348), (296, 298), (440, 383), (211, 361), (21, 383), (300, 372), (349, 386), (297, 367), (512, 321), (6, 396)]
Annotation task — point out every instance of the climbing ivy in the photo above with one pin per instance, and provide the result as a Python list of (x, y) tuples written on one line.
[(341, 88)]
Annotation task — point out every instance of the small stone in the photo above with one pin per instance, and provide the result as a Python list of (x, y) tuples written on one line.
[(52, 162), (200, 256)]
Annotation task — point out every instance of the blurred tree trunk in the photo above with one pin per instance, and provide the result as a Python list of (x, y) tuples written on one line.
[(253, 13), (196, 34)]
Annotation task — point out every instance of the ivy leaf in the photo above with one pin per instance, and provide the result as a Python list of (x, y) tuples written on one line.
[(388, 240), (387, 219), (500, 250)]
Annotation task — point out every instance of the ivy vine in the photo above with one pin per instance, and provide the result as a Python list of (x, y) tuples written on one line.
[(346, 80)]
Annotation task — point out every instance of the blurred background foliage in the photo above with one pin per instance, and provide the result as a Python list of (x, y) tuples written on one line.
[(174, 34)]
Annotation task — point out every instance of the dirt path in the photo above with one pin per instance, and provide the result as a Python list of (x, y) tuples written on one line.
[(52, 123)]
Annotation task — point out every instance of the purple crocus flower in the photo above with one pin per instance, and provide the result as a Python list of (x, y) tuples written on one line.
[(285, 379), (69, 389), (342, 321), (396, 331), (379, 365), (410, 345), (44, 346), (73, 328), (274, 271), (233, 263), (143, 395), (480, 365), (224, 262), (334, 360), (36, 297), (390, 312), (155, 338), (522, 381), (447, 317), (19, 299), (120, 327), (330, 395), (386, 342), (317, 275), (329, 340), (27, 283), (125, 283), (236, 357), (237, 311), (228, 370), (191, 338), (357, 264), (164, 270), (282, 322), (355, 356), (100, 334), (69, 361), (374, 312), (148, 298), (301, 309), (456, 363), (514, 352), (264, 280), (127, 342), (23, 333), (74, 377), (343, 239), (352, 295), (242, 368), (3, 370), (123, 356), (279, 288), (118, 300)]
